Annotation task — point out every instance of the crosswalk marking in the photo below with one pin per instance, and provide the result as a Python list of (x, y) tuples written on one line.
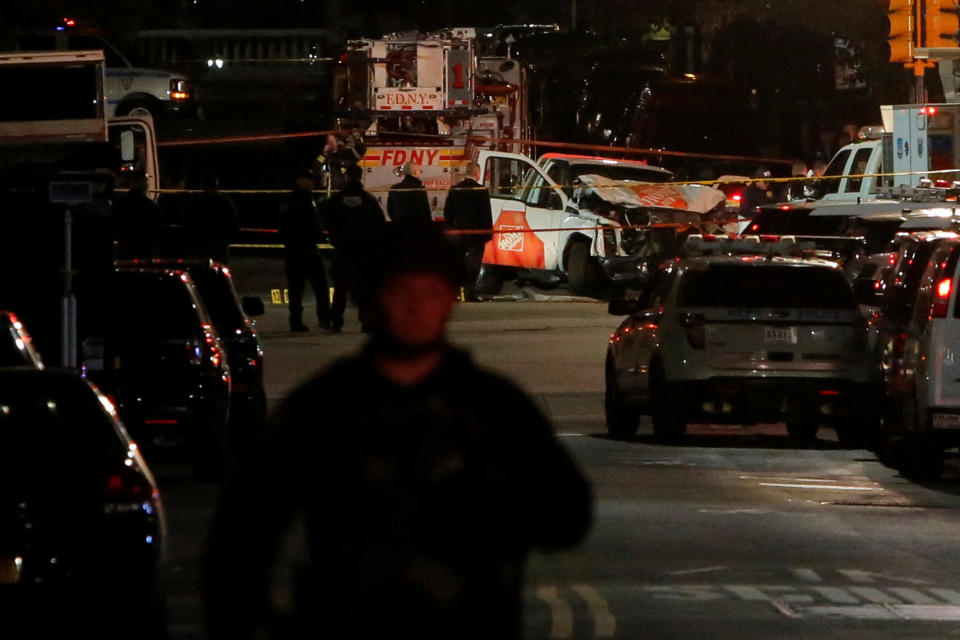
[(561, 615), (604, 624), (912, 596)]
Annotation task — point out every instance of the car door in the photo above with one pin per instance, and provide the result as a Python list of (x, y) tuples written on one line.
[(527, 209)]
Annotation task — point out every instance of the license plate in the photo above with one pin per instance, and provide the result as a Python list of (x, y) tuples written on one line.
[(946, 421), (780, 335), (10, 570)]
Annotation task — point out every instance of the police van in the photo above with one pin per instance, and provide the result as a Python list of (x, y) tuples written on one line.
[(129, 89)]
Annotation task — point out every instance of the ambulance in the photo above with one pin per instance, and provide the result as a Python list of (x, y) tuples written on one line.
[(423, 99)]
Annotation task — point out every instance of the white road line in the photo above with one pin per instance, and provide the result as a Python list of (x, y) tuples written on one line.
[(561, 615), (686, 572), (912, 596), (570, 435), (807, 575), (604, 623), (869, 577), (836, 595), (874, 595), (747, 593), (782, 479), (787, 485), (948, 595)]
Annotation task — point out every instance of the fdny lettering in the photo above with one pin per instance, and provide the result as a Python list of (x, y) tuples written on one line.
[(397, 157), (409, 98)]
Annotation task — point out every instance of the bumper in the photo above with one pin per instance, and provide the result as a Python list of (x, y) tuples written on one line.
[(625, 269), (739, 400)]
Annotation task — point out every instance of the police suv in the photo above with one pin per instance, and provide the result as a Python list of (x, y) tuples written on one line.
[(741, 331)]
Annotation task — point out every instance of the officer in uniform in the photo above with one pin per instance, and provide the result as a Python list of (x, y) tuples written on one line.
[(300, 229), (407, 201), (467, 210)]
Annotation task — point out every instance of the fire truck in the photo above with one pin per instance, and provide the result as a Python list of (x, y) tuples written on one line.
[(425, 99)]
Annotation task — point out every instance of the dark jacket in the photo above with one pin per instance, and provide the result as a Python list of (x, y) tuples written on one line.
[(420, 506), (753, 197), (138, 225), (299, 226), (350, 215), (407, 202), (209, 225), (468, 207)]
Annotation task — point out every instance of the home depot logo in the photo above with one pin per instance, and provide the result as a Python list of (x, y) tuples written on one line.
[(510, 240)]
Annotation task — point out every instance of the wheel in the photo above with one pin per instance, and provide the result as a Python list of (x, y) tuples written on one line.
[(802, 432), (920, 459), (583, 274), (489, 280), (139, 108), (623, 420), (666, 415)]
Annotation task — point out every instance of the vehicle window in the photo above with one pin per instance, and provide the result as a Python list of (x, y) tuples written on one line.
[(507, 178), (560, 173), (152, 307), (800, 222), (859, 167), (765, 287), (219, 298), (835, 168), (56, 93), (40, 414)]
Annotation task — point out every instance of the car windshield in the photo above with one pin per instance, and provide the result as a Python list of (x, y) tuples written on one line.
[(219, 298), (766, 287), (620, 172)]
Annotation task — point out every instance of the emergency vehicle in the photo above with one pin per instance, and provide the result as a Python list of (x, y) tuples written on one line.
[(422, 99), (129, 89)]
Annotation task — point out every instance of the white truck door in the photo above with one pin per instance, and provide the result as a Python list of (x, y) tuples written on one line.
[(527, 210)]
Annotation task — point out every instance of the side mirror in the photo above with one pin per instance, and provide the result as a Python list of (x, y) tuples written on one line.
[(252, 306), (865, 292)]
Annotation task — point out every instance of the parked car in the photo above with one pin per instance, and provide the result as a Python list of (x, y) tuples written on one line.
[(923, 418), (745, 332), (16, 346), (166, 366), (82, 525), (231, 318)]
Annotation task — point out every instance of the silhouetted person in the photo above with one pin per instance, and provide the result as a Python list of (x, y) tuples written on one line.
[(300, 230), (137, 221), (210, 223), (794, 189), (468, 209), (758, 193), (352, 215), (407, 201), (423, 481)]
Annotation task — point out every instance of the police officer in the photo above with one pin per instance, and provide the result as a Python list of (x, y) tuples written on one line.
[(210, 223), (758, 193), (300, 229), (351, 216), (407, 201), (418, 494), (137, 221), (333, 161), (466, 211)]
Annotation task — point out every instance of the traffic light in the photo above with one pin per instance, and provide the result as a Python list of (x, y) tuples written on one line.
[(902, 28), (940, 19)]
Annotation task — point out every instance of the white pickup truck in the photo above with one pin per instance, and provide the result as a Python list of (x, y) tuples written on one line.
[(570, 218)]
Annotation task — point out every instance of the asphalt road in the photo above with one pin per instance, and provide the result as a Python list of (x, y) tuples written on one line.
[(732, 534)]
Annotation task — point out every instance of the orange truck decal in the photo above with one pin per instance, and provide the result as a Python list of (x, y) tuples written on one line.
[(515, 245)]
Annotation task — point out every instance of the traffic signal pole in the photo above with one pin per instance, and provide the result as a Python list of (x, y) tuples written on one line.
[(921, 33)]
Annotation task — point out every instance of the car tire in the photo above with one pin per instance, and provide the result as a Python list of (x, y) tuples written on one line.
[(489, 280), (622, 419), (802, 432), (667, 415), (584, 277), (139, 107), (920, 459)]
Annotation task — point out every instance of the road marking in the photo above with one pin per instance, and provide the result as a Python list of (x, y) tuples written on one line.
[(945, 613), (782, 479), (869, 577), (947, 595), (807, 575), (874, 595), (747, 593), (604, 623), (753, 512), (836, 595), (570, 435), (912, 596), (686, 572), (561, 615), (787, 485)]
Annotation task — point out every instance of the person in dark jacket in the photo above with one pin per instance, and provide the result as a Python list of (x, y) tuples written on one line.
[(429, 483), (300, 229), (407, 201), (352, 215), (758, 193), (210, 223), (467, 210), (137, 221)]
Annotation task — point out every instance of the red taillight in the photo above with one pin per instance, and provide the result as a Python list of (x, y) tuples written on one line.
[(785, 207), (696, 332), (128, 490), (738, 197), (939, 307), (754, 227)]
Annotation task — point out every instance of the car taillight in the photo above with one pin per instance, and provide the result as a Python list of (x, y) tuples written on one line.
[(694, 326), (128, 490), (941, 298)]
